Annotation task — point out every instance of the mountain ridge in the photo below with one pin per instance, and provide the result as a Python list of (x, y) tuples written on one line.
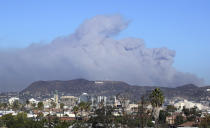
[(107, 88)]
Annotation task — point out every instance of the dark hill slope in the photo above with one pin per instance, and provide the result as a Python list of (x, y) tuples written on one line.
[(109, 88)]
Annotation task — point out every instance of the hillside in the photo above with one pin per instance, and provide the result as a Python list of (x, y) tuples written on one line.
[(108, 88)]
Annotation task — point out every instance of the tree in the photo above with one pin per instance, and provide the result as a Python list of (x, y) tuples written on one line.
[(1, 105), (143, 114), (162, 116), (186, 111), (8, 120), (53, 104), (191, 113), (40, 106), (33, 105), (21, 121), (83, 107), (40, 116), (156, 100), (76, 110), (87, 107), (16, 105), (61, 108), (27, 103), (62, 105), (171, 108), (104, 117), (205, 122), (179, 120), (5, 105)]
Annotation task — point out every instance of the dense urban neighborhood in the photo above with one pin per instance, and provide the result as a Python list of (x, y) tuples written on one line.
[(57, 110)]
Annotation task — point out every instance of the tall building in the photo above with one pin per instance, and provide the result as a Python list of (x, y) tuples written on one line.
[(102, 99), (56, 97), (69, 101)]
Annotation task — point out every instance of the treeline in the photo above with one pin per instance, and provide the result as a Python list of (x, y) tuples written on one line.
[(22, 121)]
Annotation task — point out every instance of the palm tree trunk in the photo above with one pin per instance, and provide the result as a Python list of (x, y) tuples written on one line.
[(156, 112)]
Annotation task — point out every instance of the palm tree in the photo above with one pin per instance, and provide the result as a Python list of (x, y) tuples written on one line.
[(81, 107), (27, 103), (61, 105), (40, 106), (156, 100), (5, 105), (61, 108), (76, 110), (87, 108)]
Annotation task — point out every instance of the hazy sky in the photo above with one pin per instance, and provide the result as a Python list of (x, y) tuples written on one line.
[(180, 25)]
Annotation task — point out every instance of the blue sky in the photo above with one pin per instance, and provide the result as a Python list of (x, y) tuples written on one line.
[(180, 25)]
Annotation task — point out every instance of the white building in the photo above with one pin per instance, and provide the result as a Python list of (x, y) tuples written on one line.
[(47, 102), (102, 99), (132, 108), (69, 101), (7, 112), (33, 101), (12, 100), (31, 115), (189, 104)]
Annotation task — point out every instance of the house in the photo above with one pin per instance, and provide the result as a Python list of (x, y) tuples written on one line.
[(171, 119), (132, 108)]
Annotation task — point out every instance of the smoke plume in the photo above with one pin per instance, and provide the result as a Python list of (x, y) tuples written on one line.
[(91, 52)]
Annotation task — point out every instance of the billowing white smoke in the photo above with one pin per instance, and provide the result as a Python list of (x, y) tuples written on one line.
[(92, 53)]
